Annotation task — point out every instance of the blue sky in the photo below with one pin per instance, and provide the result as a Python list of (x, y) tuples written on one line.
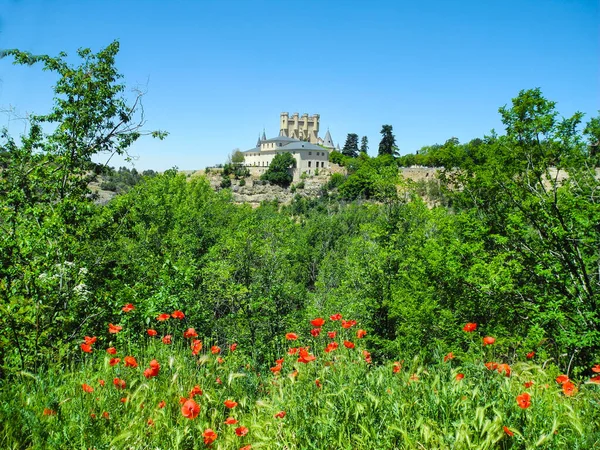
[(217, 72)]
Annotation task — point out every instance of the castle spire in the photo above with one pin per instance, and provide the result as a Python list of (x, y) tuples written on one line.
[(264, 136), (258, 142), (328, 142)]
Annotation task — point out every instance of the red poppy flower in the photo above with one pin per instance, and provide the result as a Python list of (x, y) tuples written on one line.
[(106, 415), (569, 389), (196, 346), (150, 422), (163, 317), (128, 307), (293, 351), (190, 333), (596, 368), (86, 348), (331, 347), (124, 400), (530, 355), (220, 360), (367, 356), (241, 431), (119, 384), (561, 379), (331, 334), (291, 336), (504, 368), (149, 373), (348, 323), (230, 421), (294, 374), (528, 384), (101, 382), (470, 327), (218, 381), (93, 416), (488, 340), (87, 388), (130, 362), (337, 316), (396, 367), (279, 361), (348, 344), (315, 332), (280, 415), (90, 340), (318, 322), (195, 391), (246, 447), (114, 329), (595, 379), (178, 315), (162, 404), (459, 376), (232, 347), (524, 400), (111, 351), (49, 412), (276, 369), (361, 334), (508, 432), (209, 436), (114, 361), (190, 409), (167, 339), (230, 404), (448, 357), (151, 332), (318, 383), (491, 365), (215, 350), (305, 357)]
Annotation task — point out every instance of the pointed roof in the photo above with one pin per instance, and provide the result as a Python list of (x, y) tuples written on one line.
[(328, 142), (264, 136), (258, 142)]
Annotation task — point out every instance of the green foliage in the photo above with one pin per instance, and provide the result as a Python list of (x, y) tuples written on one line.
[(122, 180), (336, 157), (364, 144), (387, 146), (278, 171), (351, 146)]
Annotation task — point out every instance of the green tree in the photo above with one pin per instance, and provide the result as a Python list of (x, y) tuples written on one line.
[(351, 145), (364, 144), (237, 157), (279, 170), (387, 146)]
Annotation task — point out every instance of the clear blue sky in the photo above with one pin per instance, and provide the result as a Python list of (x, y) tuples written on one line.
[(218, 71)]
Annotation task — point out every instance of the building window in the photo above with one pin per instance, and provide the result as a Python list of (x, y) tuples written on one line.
[(309, 164), (322, 163), (310, 153)]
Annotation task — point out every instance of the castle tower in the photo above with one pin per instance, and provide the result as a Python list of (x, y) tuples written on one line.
[(303, 127)]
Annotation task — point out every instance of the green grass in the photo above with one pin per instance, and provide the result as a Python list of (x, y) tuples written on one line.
[(358, 405)]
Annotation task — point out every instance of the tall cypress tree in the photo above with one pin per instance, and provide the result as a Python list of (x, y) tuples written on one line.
[(387, 146)]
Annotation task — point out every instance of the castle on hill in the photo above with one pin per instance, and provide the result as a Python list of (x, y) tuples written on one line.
[(298, 135)]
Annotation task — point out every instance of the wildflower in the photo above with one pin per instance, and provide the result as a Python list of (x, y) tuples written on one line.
[(232, 347), (348, 323), (119, 384), (562, 379), (318, 383), (305, 357), (528, 384), (294, 374), (128, 307), (331, 334), (337, 316), (448, 357), (218, 381), (530, 355), (190, 333), (162, 404), (196, 346), (215, 349), (90, 340), (246, 447), (459, 376), (230, 404), (167, 339), (152, 332), (114, 329), (101, 382), (280, 415), (491, 365), (315, 332), (209, 436), (163, 317), (524, 400), (276, 369), (114, 361), (291, 336), (86, 348), (279, 361), (150, 422), (331, 347), (130, 362), (596, 368), (87, 388), (569, 389), (149, 373), (348, 344), (488, 340), (414, 377), (111, 351), (230, 421), (367, 356), (178, 315), (470, 327), (293, 351), (190, 409), (106, 415), (504, 368), (49, 412), (93, 416), (595, 379), (124, 400), (195, 391), (318, 322), (396, 367), (241, 431), (507, 431), (361, 334), (220, 360)]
